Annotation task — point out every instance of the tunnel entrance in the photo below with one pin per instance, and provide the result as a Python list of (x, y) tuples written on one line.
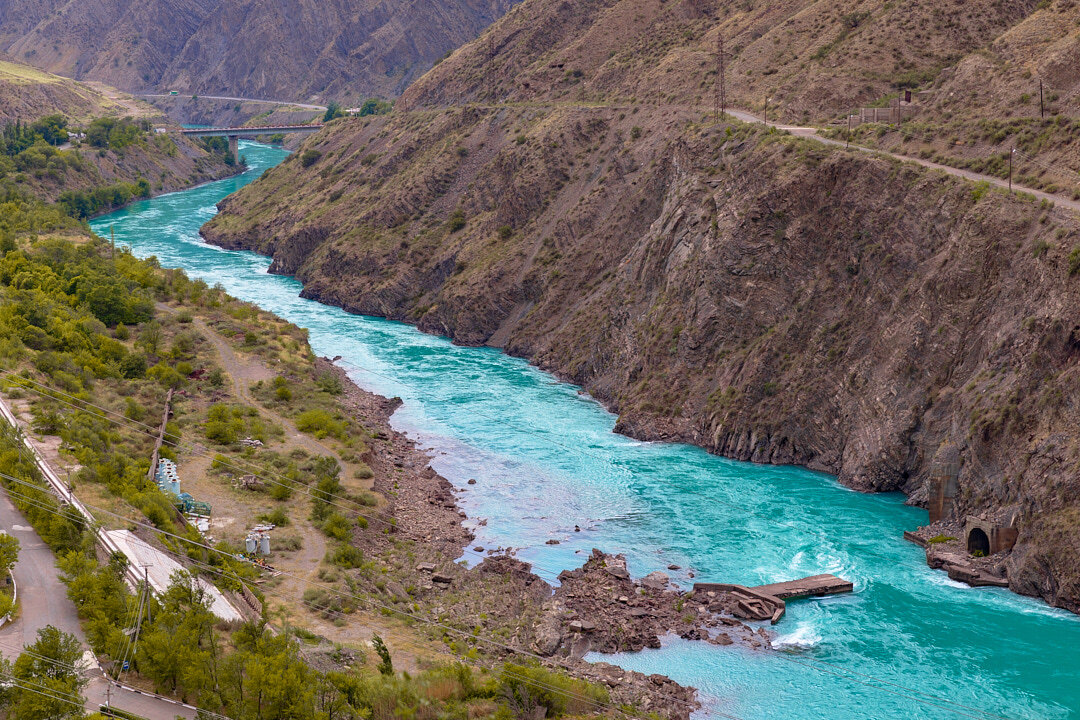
[(978, 543)]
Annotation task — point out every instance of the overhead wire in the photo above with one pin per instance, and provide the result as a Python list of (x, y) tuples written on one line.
[(907, 693), (567, 447), (446, 628)]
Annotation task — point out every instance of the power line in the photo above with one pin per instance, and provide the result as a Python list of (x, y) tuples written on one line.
[(262, 474), (587, 454), (306, 581), (907, 694), (580, 452)]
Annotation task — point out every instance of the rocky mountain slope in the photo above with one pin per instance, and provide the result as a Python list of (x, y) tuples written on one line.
[(277, 49), (975, 69), (769, 298)]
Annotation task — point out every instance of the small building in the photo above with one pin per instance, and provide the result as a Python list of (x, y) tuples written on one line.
[(984, 538)]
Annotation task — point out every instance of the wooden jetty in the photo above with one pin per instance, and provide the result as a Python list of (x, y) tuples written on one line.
[(767, 602)]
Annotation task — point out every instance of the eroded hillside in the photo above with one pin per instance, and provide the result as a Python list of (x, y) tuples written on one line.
[(276, 49), (975, 70)]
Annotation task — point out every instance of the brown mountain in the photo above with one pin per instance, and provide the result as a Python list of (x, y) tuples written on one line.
[(278, 49), (559, 189)]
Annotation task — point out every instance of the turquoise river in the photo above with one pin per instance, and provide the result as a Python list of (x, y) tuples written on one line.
[(909, 643)]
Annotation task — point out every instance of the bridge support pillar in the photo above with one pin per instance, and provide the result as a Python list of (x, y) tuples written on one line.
[(234, 148)]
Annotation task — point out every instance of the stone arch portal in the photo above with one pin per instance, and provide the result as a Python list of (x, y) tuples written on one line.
[(978, 543)]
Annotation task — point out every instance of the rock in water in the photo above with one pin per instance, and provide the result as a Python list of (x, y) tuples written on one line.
[(655, 580)]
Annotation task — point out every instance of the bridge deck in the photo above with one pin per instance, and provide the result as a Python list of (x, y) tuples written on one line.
[(249, 130)]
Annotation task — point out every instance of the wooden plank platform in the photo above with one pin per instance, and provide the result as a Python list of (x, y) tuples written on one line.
[(815, 586)]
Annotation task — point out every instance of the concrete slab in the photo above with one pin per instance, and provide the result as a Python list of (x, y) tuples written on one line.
[(160, 568), (814, 586)]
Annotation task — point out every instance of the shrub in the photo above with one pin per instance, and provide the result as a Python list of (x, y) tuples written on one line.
[(133, 366), (337, 526), (310, 157), (277, 516), (531, 688), (329, 383), (456, 221), (1074, 260), (166, 376), (319, 423), (345, 556)]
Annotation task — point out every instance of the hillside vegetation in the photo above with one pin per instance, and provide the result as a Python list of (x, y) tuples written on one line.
[(559, 189), (88, 348), (65, 140), (975, 69)]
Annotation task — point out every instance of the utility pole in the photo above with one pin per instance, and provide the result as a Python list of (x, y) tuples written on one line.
[(720, 105), (1042, 103), (1011, 169), (146, 581), (766, 111), (491, 64)]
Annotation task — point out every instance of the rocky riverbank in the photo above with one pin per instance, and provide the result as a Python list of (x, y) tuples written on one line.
[(597, 607)]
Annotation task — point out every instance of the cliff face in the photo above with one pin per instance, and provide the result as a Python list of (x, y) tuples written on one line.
[(276, 49)]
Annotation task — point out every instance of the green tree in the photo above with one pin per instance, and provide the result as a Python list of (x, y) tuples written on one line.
[(333, 110), (150, 337), (53, 128), (9, 553), (386, 664), (46, 683), (180, 641), (374, 106)]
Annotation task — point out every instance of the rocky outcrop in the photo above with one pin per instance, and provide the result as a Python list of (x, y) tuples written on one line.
[(598, 607)]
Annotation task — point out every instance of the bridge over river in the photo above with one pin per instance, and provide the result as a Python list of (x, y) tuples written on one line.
[(235, 133)]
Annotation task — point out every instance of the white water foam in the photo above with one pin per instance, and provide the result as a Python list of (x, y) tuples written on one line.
[(805, 635)]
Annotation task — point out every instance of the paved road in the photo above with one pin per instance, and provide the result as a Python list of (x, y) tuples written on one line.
[(43, 601), (811, 132), (240, 99)]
